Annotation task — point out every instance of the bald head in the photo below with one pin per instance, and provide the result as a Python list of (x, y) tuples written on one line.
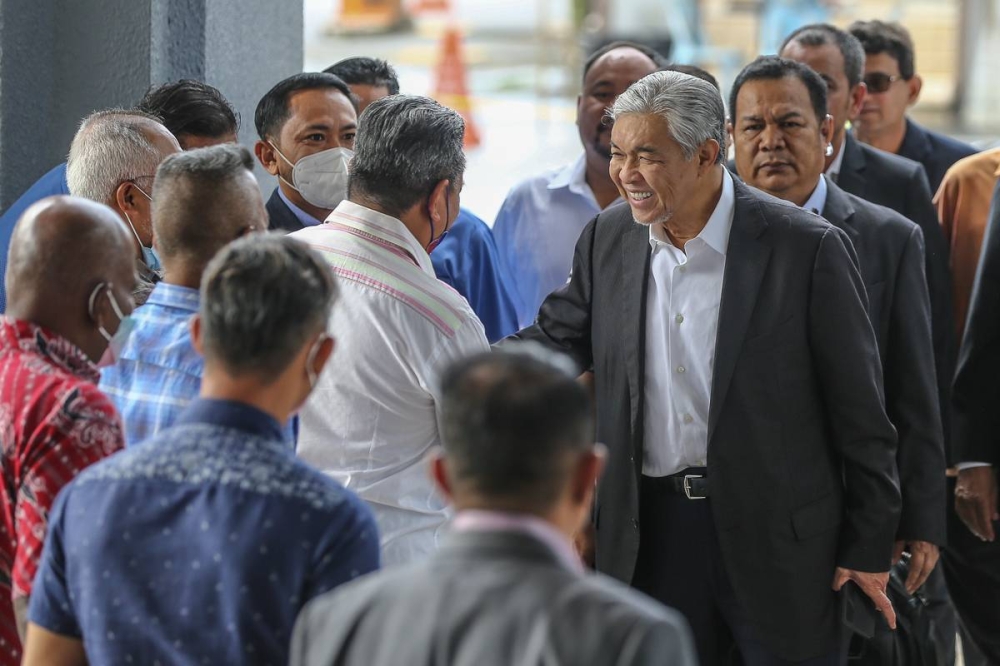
[(202, 200), (60, 250)]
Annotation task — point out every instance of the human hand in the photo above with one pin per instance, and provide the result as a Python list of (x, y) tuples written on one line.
[(923, 558), (873, 585), (976, 500)]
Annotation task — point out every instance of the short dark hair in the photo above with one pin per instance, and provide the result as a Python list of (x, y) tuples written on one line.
[(695, 71), (199, 203), (262, 298), (273, 110), (821, 34), (366, 71), (406, 145), (191, 107), (887, 37), (509, 418), (658, 60), (769, 68)]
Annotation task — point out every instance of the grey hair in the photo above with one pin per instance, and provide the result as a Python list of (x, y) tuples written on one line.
[(110, 148), (822, 34), (692, 108), (406, 145), (262, 298)]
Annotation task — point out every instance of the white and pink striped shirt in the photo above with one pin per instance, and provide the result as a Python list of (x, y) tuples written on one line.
[(374, 415)]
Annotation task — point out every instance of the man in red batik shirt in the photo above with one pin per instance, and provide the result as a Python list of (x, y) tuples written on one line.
[(70, 276)]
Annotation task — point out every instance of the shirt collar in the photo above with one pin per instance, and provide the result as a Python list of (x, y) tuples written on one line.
[(26, 337), (715, 233), (473, 520), (834, 169), (573, 177), (382, 229), (175, 296), (305, 218), (817, 200), (232, 414)]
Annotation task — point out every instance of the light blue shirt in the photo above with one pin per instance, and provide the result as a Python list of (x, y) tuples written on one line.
[(536, 232), (817, 200), (305, 218)]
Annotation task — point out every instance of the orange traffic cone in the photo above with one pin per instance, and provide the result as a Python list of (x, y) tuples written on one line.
[(424, 6), (450, 87)]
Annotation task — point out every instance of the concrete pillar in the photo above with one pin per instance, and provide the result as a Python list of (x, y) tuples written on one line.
[(62, 59)]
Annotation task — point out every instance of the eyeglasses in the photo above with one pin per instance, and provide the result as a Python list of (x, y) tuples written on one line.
[(879, 82)]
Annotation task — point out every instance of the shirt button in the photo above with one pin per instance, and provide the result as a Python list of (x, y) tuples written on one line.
[(681, 370), (682, 268), (679, 318), (688, 418)]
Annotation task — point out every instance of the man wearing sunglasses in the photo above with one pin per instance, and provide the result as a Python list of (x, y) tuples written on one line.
[(893, 87)]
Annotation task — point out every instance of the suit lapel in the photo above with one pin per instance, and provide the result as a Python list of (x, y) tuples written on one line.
[(852, 169), (839, 212), (635, 253), (746, 261)]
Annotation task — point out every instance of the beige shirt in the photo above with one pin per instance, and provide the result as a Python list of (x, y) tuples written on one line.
[(963, 204)]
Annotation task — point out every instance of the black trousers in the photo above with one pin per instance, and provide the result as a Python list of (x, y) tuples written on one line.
[(680, 564), (972, 570)]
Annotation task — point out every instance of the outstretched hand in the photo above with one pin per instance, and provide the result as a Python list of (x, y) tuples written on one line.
[(873, 585)]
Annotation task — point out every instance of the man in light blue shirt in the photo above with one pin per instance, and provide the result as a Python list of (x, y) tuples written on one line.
[(203, 199), (541, 219)]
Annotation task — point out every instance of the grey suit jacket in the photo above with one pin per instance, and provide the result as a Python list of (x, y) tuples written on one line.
[(489, 598), (890, 250), (801, 454)]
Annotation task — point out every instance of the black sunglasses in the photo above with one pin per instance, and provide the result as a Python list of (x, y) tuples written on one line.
[(879, 82)]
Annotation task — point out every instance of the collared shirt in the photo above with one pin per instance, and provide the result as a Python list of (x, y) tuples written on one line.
[(159, 371), (305, 218), (54, 422), (537, 228), (473, 520), (963, 204), (833, 171), (201, 546), (374, 414), (817, 200), (467, 259), (682, 321)]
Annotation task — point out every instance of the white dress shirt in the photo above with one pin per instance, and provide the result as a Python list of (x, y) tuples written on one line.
[(537, 228), (682, 321), (374, 414), (833, 171), (817, 200)]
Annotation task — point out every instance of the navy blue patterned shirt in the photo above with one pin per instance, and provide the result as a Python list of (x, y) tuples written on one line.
[(199, 547)]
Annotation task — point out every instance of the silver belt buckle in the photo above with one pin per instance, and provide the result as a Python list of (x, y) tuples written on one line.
[(687, 486)]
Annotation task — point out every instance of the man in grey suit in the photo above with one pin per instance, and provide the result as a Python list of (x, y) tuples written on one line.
[(751, 468), (506, 588), (781, 131)]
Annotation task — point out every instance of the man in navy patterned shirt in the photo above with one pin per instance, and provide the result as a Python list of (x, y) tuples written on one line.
[(202, 545)]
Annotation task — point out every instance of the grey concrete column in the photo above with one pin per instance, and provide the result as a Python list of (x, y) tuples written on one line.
[(62, 59)]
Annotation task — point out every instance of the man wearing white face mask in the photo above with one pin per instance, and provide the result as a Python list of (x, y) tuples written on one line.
[(113, 160), (69, 274), (371, 424), (306, 125)]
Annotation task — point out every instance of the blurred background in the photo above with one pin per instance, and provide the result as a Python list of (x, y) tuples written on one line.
[(522, 60)]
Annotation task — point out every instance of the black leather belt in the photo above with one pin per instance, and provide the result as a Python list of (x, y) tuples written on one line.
[(692, 483)]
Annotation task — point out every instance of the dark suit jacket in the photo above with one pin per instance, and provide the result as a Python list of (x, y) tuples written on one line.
[(900, 184), (489, 599), (977, 388), (936, 152), (801, 455), (890, 250), (281, 215)]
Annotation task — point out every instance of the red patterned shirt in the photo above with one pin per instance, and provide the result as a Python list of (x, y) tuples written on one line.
[(54, 422)]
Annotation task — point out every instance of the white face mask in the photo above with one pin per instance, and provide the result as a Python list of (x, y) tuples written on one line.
[(321, 178)]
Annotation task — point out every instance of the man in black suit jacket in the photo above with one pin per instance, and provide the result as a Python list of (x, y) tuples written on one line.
[(880, 177), (734, 360), (893, 86), (310, 115), (973, 565)]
